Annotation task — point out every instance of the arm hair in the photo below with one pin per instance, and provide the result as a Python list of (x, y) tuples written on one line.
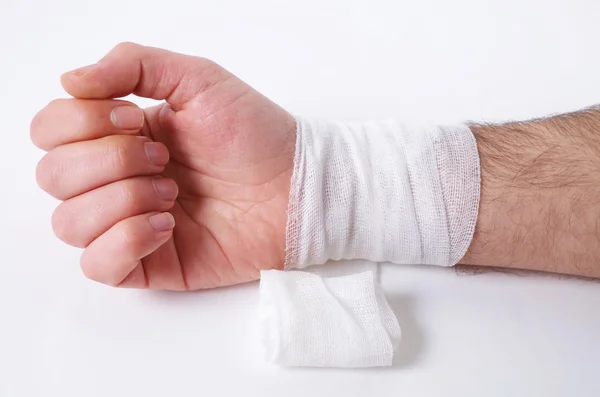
[(540, 195)]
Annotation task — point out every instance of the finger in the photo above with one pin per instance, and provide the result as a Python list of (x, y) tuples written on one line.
[(153, 122), (82, 219), (113, 255), (147, 72), (76, 168), (69, 120)]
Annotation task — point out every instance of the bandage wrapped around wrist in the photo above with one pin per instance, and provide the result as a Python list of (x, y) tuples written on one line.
[(382, 191), (378, 191)]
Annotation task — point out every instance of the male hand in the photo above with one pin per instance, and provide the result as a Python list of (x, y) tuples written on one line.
[(186, 195)]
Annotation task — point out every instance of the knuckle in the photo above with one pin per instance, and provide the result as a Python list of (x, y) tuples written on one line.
[(128, 195), (120, 155), (56, 102), (47, 175), (125, 47), (138, 195), (34, 131), (133, 239), (38, 128), (64, 228), (83, 115), (211, 73), (97, 267), (37, 125), (129, 234), (208, 63), (116, 153), (213, 70), (89, 268)]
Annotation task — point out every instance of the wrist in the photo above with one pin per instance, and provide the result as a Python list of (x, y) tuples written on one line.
[(382, 191)]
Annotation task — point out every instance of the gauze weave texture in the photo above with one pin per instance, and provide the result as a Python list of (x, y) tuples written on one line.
[(382, 191), (327, 316)]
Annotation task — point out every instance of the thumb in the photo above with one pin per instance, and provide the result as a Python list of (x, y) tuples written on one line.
[(144, 71)]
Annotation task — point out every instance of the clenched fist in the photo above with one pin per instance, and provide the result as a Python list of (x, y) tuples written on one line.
[(186, 195)]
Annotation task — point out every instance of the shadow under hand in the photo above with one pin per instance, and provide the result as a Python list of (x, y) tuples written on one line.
[(411, 343)]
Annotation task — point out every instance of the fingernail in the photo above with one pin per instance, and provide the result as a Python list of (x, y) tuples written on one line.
[(162, 222), (127, 117), (157, 153), (165, 188), (83, 70)]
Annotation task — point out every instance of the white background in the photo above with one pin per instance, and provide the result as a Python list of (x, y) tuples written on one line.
[(464, 335)]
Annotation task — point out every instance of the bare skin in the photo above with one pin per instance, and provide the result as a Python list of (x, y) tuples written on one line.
[(192, 194), (226, 183), (540, 206)]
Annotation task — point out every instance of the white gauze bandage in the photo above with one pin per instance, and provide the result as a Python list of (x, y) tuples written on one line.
[(380, 191), (327, 316)]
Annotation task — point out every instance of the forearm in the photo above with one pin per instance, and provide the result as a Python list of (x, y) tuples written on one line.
[(540, 195)]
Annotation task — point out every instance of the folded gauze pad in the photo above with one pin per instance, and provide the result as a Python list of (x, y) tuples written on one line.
[(311, 320)]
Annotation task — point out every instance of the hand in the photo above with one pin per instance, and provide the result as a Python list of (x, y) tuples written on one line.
[(225, 185)]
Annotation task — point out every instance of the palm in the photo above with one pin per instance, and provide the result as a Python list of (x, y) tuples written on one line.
[(231, 154)]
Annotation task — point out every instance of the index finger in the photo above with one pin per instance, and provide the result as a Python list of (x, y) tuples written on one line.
[(65, 121)]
